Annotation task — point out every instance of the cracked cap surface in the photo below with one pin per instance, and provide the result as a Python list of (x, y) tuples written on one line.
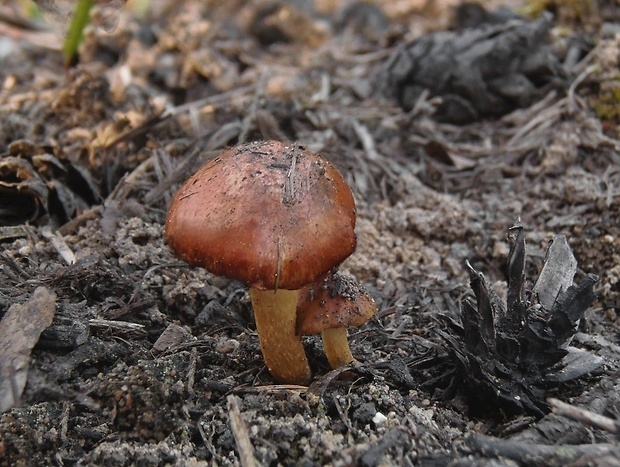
[(271, 214)]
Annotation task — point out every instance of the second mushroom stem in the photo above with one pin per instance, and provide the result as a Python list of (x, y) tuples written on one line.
[(336, 347), (275, 315)]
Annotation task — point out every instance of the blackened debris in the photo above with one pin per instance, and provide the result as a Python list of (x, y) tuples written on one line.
[(286, 22), (471, 15), (481, 72), (365, 19), (511, 355), (38, 180)]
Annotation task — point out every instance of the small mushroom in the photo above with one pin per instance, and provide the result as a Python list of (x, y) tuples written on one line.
[(275, 216), (330, 307)]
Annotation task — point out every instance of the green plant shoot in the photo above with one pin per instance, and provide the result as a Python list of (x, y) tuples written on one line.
[(75, 33)]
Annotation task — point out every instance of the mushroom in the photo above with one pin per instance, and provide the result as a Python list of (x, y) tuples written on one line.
[(276, 217), (330, 307)]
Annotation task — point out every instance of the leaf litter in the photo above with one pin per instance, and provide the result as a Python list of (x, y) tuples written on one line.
[(20, 329)]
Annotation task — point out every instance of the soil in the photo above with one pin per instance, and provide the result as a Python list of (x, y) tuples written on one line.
[(117, 353)]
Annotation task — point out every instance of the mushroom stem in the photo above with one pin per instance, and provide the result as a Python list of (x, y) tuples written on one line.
[(275, 315), (336, 347)]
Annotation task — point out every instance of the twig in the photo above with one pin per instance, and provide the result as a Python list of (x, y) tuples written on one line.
[(207, 440), (584, 416), (576, 82), (540, 454), (64, 421), (322, 95), (240, 432), (72, 225), (367, 140), (290, 176), (539, 123), (14, 267), (11, 232), (177, 174), (191, 372), (24, 29), (59, 243), (270, 388), (251, 114), (214, 100), (603, 346), (342, 415), (195, 152), (129, 181), (269, 126), (123, 326)]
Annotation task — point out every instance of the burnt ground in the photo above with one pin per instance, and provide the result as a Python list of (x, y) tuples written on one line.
[(448, 126)]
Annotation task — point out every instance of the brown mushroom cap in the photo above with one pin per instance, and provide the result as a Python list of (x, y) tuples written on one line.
[(335, 302), (273, 215)]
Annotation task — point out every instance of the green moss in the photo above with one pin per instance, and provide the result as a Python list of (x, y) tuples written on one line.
[(579, 11), (607, 106)]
